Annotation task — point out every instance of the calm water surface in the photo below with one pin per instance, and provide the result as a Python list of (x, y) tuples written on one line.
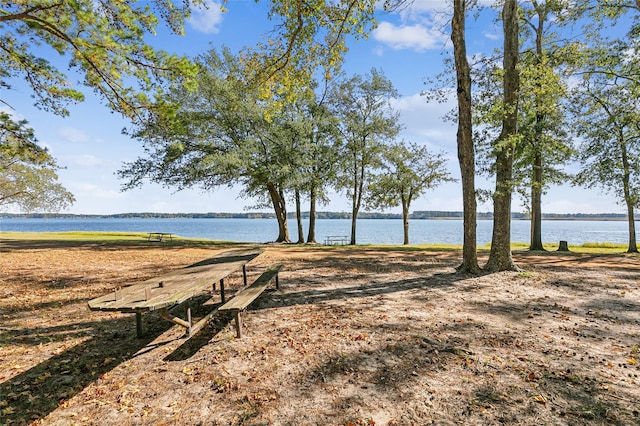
[(369, 231)]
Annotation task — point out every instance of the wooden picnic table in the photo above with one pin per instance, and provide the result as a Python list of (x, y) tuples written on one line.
[(167, 292), (336, 240), (159, 236)]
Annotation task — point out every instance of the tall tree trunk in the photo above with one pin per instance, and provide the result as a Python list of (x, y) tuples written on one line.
[(299, 217), (537, 181), (405, 220), (358, 186), (354, 221), (311, 236), (633, 248), (536, 205), (280, 209), (500, 258), (466, 153)]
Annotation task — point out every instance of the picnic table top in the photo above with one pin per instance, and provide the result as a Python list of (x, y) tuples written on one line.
[(176, 286)]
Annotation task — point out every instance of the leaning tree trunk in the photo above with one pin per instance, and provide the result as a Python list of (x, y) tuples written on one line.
[(466, 154), (299, 218), (311, 236), (536, 205), (280, 210), (500, 258)]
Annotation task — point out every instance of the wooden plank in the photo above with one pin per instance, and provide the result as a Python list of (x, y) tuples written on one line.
[(203, 321), (175, 287), (244, 297)]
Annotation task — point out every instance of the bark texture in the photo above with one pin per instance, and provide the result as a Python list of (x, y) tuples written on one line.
[(500, 258), (466, 152), (629, 200), (280, 209), (536, 205), (311, 235), (299, 217)]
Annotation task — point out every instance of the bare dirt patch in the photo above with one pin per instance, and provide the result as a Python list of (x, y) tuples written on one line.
[(354, 336)]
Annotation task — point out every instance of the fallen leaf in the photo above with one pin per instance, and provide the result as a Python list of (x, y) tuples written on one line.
[(540, 399)]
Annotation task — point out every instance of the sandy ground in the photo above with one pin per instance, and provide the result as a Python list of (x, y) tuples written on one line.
[(354, 337)]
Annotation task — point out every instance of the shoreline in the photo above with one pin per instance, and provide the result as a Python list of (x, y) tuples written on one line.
[(320, 215)]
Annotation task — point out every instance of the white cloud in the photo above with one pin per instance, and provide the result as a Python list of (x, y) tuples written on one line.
[(84, 160), (425, 123), (417, 37), (421, 7), (492, 35), (92, 192), (12, 113), (206, 18), (69, 134)]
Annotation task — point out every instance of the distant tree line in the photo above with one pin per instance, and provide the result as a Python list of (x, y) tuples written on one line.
[(416, 215)]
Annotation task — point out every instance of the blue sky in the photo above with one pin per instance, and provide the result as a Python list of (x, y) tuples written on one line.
[(408, 47)]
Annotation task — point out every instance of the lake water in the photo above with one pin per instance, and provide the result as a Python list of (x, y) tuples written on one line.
[(369, 231)]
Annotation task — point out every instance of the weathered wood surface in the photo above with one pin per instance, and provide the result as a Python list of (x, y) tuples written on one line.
[(175, 287), (244, 297)]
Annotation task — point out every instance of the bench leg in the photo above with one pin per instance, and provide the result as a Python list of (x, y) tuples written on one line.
[(244, 274), (189, 329), (139, 331), (222, 291), (238, 318)]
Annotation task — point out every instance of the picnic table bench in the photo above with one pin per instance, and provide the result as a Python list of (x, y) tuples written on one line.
[(247, 295), (336, 239), (159, 236), (168, 292)]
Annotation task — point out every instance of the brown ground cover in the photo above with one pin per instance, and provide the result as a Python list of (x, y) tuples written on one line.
[(355, 336)]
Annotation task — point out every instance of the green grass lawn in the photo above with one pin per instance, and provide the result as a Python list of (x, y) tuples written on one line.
[(115, 238), (140, 239)]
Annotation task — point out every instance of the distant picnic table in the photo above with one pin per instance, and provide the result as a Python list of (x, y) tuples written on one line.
[(167, 292), (159, 236), (332, 240)]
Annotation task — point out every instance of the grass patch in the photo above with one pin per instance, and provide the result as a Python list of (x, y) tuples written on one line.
[(604, 245), (140, 239), (106, 238)]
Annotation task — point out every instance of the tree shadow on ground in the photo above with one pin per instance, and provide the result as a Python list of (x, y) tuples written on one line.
[(36, 392), (570, 261), (308, 297), (215, 325), (566, 379), (408, 372)]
